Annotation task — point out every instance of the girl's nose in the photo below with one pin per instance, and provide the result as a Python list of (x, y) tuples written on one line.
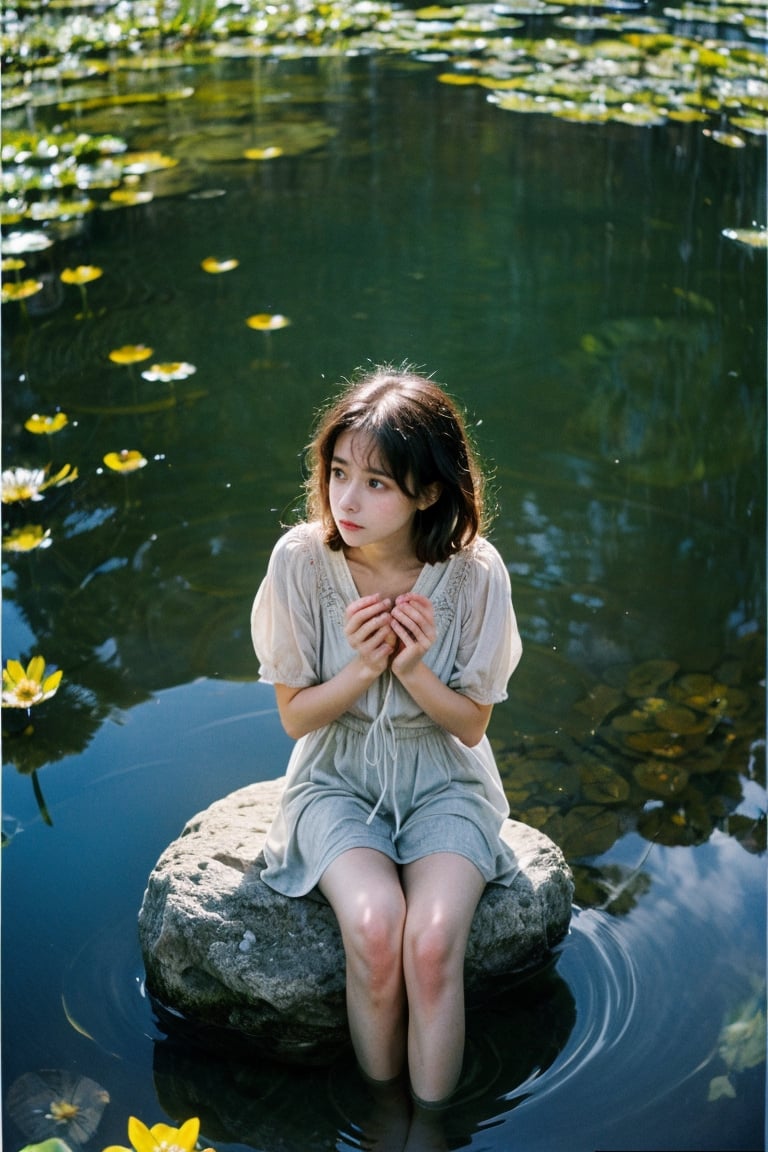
[(349, 499)]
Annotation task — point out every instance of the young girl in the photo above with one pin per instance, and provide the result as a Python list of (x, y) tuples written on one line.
[(386, 625)]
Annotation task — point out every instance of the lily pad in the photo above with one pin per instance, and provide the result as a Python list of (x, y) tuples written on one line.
[(646, 678), (661, 778)]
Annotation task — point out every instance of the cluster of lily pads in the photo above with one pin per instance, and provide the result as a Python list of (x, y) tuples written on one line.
[(560, 58), (58, 1111), (655, 747)]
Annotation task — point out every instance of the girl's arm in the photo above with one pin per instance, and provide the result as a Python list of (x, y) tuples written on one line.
[(369, 632), (413, 624)]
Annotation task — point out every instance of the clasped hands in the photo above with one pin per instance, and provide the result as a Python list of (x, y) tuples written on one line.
[(390, 635)]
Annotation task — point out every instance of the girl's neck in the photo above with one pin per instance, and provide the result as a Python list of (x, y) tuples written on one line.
[(376, 569)]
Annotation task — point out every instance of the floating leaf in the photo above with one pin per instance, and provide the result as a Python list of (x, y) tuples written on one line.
[(657, 742), (602, 785), (660, 778), (46, 1103), (644, 679)]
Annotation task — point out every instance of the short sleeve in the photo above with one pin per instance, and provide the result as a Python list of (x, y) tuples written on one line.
[(285, 624), (490, 647)]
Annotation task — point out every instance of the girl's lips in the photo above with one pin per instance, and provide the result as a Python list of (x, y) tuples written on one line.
[(349, 525)]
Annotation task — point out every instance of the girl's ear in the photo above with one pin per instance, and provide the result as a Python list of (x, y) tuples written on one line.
[(429, 496)]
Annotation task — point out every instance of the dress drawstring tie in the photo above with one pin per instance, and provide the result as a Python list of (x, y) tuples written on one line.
[(379, 751)]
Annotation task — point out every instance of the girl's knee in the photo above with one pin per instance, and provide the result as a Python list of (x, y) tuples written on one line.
[(373, 934), (433, 958)]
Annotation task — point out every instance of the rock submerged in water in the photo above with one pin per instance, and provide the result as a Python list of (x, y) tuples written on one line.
[(224, 951)]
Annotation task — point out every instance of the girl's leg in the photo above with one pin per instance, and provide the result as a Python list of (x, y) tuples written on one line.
[(441, 892), (363, 888)]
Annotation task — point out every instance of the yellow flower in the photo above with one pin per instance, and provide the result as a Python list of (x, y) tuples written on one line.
[(174, 370), (13, 264), (129, 460), (30, 483), (83, 274), (130, 354), (22, 688), (46, 424), (269, 153), (21, 290), (212, 265), (159, 1138), (264, 322), (27, 538)]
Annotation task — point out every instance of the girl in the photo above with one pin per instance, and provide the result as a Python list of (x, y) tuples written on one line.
[(386, 626)]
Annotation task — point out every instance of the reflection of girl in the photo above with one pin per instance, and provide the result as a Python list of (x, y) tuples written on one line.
[(386, 625)]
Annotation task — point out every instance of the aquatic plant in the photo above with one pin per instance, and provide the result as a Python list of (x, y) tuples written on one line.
[(82, 275), (21, 290), (25, 687), (159, 1138), (130, 354), (55, 1103), (215, 267), (46, 425), (20, 484), (127, 460), (173, 370), (264, 322), (27, 538)]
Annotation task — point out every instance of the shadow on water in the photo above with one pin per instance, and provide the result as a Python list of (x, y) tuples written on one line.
[(246, 1100)]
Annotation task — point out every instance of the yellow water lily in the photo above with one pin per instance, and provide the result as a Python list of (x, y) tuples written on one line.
[(21, 290), (27, 538), (269, 153), (25, 687), (130, 354), (264, 322), (159, 1138), (214, 266), (83, 274), (30, 483), (173, 370), (128, 460), (12, 264), (47, 424)]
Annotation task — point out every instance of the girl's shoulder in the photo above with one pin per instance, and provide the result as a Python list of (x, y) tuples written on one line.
[(482, 559)]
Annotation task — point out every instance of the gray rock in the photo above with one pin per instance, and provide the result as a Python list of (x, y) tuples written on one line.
[(223, 950)]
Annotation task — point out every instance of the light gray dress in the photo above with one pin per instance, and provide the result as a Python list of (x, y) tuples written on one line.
[(383, 775)]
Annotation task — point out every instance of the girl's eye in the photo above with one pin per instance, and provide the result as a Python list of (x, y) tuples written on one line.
[(337, 473), (375, 484)]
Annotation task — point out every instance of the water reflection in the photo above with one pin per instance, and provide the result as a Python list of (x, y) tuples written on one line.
[(246, 1099)]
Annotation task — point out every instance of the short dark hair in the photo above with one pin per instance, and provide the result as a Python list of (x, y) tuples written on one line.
[(422, 438)]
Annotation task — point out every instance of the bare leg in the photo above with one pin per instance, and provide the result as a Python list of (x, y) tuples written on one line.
[(363, 888), (441, 892)]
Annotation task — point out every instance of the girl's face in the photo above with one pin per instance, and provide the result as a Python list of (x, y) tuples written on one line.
[(367, 505)]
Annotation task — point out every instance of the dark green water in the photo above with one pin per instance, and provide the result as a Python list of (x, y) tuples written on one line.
[(572, 287)]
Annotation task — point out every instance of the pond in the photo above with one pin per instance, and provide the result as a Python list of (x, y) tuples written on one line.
[(587, 276)]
